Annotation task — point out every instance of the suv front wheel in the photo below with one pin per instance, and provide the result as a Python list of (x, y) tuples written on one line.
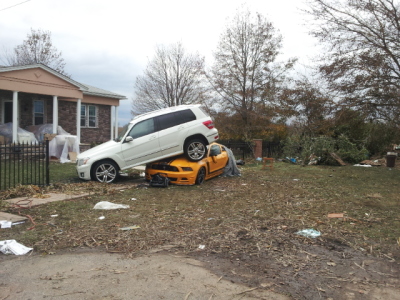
[(195, 150), (105, 171)]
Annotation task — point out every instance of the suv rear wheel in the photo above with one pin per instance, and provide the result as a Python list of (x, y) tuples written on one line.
[(195, 149)]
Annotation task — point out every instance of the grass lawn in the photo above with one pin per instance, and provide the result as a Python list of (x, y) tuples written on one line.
[(246, 223), (258, 204)]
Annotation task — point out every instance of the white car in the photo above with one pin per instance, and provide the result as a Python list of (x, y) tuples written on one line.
[(183, 129)]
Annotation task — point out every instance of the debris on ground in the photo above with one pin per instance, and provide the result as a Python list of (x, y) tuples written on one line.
[(360, 165), (338, 159), (108, 205), (159, 180), (374, 163), (130, 227), (310, 233), (339, 216), (13, 247)]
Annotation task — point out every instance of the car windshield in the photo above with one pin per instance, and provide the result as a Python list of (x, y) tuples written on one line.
[(125, 129)]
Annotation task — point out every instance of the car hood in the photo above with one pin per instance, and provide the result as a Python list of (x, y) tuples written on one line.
[(105, 147), (180, 161)]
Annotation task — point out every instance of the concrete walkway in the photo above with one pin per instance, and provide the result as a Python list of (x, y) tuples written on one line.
[(27, 202)]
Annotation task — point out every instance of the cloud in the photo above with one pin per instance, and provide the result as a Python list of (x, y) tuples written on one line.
[(107, 44)]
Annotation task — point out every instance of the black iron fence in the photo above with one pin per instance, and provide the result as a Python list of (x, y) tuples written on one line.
[(244, 150), (271, 149), (24, 164), (240, 149)]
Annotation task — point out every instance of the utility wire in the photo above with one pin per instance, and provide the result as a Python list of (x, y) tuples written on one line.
[(14, 5)]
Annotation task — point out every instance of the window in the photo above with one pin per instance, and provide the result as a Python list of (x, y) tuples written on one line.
[(38, 112), (143, 128), (175, 118), (88, 116)]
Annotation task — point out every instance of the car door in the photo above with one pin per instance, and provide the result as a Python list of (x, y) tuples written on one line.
[(172, 132), (144, 147), (217, 158)]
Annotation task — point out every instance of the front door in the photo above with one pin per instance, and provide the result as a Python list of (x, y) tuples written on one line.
[(8, 112)]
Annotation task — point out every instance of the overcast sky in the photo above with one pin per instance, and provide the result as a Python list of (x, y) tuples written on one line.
[(107, 44)]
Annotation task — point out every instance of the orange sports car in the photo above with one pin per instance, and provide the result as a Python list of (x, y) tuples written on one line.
[(181, 171)]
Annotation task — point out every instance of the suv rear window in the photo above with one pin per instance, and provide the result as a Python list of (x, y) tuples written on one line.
[(175, 118)]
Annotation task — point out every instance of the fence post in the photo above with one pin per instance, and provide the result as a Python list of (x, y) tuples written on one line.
[(257, 148), (47, 162)]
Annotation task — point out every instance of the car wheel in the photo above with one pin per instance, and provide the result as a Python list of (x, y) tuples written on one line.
[(201, 175), (195, 150), (105, 171)]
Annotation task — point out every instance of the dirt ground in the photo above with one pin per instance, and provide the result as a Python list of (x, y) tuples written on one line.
[(100, 275), (166, 274)]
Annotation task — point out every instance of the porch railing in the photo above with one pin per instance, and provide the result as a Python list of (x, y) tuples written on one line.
[(24, 164)]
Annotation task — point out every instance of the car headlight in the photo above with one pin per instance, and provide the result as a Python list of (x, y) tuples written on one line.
[(82, 161)]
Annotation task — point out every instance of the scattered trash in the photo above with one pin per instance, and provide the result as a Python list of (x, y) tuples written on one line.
[(338, 159), (374, 163), (5, 224), (209, 219), (313, 160), (296, 179), (336, 215), (258, 159), (13, 247), (240, 162), (53, 216), (159, 180), (109, 205), (310, 233), (133, 199), (359, 165), (202, 247), (130, 227), (102, 218)]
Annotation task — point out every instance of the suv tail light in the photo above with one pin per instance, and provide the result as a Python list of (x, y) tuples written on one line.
[(209, 124)]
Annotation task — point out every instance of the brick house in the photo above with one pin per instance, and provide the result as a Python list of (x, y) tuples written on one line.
[(36, 94)]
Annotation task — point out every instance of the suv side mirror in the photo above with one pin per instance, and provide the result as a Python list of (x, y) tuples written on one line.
[(128, 139)]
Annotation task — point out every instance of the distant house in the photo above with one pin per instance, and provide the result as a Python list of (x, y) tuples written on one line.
[(36, 94)]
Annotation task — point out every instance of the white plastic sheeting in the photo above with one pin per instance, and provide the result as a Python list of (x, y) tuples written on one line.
[(40, 130), (23, 135), (61, 145)]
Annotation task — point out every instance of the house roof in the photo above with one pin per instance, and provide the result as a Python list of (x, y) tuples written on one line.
[(85, 88)]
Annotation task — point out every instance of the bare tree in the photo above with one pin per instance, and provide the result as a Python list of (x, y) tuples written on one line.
[(362, 58), (37, 48), (172, 77), (245, 74)]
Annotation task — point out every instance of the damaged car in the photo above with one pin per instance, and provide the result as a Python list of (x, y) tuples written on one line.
[(182, 129), (181, 171)]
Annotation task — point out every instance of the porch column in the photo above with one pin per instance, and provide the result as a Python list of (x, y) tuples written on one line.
[(55, 114), (78, 119), (15, 118), (116, 121), (112, 110)]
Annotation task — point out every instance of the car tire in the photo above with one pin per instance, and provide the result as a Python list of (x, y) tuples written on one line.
[(105, 171), (195, 150), (201, 176)]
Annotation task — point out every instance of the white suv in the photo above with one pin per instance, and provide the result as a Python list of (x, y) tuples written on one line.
[(149, 137)]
